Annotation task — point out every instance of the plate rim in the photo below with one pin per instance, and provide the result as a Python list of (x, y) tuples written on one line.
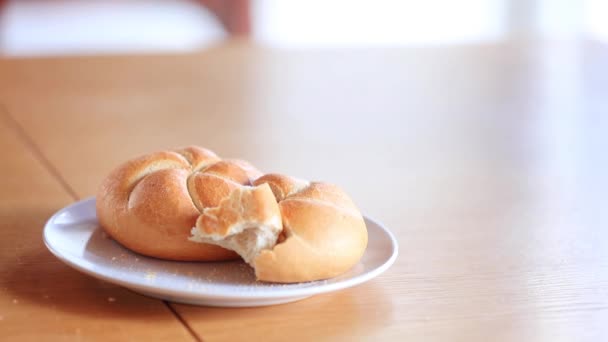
[(215, 293)]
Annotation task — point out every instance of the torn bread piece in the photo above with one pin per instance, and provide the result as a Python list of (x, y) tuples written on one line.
[(247, 222), (288, 230)]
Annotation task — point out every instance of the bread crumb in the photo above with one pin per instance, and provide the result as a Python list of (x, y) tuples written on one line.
[(111, 299), (46, 296), (113, 258), (150, 275), (1, 318), (15, 301)]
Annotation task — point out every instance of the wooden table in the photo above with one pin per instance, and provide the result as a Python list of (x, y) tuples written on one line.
[(488, 162)]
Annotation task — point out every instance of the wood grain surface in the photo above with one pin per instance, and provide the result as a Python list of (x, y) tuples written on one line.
[(488, 162)]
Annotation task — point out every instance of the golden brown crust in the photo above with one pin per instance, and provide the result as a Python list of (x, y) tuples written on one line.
[(324, 232), (146, 204), (198, 157), (281, 185), (321, 243), (207, 190), (236, 170)]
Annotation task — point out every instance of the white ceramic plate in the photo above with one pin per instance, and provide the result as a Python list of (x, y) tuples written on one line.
[(73, 235)]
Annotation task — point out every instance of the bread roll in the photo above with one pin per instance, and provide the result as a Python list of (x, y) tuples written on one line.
[(149, 204), (323, 233)]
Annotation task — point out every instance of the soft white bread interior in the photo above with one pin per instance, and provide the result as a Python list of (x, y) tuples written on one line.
[(323, 233), (247, 222), (149, 204)]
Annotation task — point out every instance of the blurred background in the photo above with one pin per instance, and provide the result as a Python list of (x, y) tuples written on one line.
[(69, 27)]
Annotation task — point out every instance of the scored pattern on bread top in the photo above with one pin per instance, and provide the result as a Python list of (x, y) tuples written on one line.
[(290, 189), (197, 157), (206, 171), (208, 186), (286, 188), (158, 197)]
